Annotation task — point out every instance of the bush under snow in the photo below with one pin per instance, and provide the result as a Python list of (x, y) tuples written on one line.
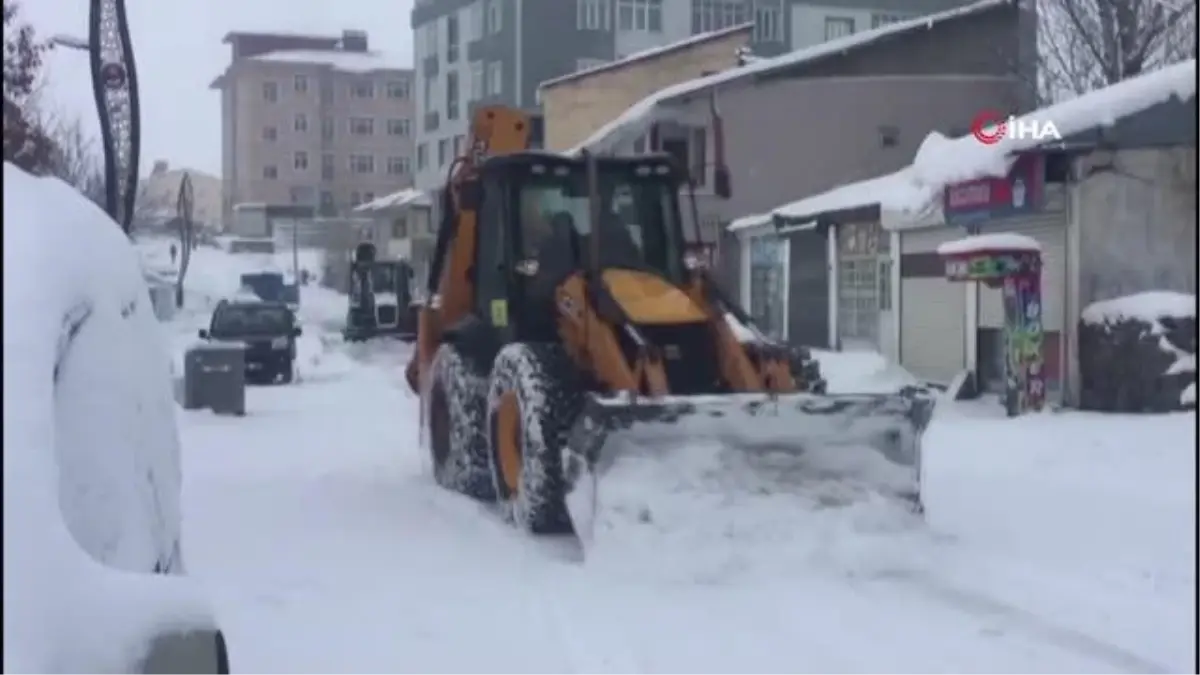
[(1137, 353), (91, 456)]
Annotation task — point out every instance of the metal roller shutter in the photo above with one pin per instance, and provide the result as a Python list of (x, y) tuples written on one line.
[(932, 314), (1051, 232)]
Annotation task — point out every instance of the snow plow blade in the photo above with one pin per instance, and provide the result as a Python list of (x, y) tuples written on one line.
[(825, 449)]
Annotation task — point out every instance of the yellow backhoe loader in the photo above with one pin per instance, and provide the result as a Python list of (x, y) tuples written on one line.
[(569, 328)]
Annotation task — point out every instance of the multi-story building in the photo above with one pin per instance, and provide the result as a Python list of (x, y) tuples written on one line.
[(499, 51), (312, 120)]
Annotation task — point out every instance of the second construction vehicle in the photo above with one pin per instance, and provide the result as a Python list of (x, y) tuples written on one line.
[(571, 330)]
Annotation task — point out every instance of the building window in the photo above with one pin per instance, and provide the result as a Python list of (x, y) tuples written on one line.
[(270, 172), (368, 197), (270, 92), (300, 84), (327, 167), (443, 152), (398, 127), (593, 15), (838, 26), (458, 145), (326, 201), (494, 17), (270, 134), (327, 128), (476, 83), (300, 161), (452, 38), (495, 78), (475, 21), (430, 31), (362, 126), (355, 200), (362, 89), (362, 164), (398, 90), (710, 15), (300, 124), (397, 166), (452, 95), (399, 228), (768, 24), (880, 20), (640, 15), (422, 156)]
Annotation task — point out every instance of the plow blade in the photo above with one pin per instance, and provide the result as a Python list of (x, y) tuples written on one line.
[(818, 450)]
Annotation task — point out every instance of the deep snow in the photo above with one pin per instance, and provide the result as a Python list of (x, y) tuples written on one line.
[(1059, 542)]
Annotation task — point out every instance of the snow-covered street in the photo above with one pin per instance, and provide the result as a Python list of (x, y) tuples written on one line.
[(1062, 542)]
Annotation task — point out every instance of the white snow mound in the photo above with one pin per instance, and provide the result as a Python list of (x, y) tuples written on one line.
[(989, 242), (90, 453), (1149, 306)]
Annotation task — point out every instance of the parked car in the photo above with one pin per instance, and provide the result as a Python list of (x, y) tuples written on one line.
[(269, 331), (93, 562)]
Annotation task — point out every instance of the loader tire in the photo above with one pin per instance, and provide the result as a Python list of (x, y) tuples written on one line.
[(457, 442), (534, 398)]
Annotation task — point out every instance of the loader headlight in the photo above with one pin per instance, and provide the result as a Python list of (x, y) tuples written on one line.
[(279, 343)]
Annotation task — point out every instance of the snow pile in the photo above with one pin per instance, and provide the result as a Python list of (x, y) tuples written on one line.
[(90, 453), (941, 161), (346, 61), (984, 243), (1138, 352), (1147, 307), (864, 372)]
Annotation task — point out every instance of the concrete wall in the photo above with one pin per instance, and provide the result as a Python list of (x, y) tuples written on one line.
[(575, 109), (1137, 222)]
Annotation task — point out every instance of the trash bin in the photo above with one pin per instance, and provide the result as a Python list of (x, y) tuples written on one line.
[(214, 377)]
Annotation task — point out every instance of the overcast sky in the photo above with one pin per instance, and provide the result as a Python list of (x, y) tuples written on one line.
[(177, 45)]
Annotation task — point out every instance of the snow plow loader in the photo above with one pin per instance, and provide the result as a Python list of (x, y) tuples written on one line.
[(570, 334)]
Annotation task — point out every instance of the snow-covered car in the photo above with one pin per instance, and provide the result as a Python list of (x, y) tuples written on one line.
[(92, 473)]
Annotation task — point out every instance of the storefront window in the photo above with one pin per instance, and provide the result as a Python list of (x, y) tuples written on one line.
[(768, 274)]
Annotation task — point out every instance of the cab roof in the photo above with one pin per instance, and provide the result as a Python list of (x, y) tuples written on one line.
[(659, 162)]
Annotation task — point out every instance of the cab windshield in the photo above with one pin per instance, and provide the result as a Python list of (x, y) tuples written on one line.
[(637, 216)]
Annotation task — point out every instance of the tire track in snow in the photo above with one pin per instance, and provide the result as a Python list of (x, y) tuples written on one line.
[(980, 605)]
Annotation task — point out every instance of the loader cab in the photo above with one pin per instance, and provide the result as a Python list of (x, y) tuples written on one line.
[(537, 227)]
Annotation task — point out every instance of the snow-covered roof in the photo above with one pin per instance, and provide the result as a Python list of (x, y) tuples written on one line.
[(350, 62), (942, 161), (993, 241), (405, 197), (1149, 307), (647, 54), (633, 121)]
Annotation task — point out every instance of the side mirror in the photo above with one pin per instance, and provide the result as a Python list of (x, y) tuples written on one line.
[(200, 650), (297, 331), (203, 334)]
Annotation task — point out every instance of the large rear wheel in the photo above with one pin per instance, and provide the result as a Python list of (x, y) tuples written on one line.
[(533, 400), (456, 440)]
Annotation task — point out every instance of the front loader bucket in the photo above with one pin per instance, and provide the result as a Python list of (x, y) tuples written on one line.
[(626, 458)]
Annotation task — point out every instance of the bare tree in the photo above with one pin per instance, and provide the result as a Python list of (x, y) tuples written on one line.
[(1088, 44), (76, 158), (26, 144)]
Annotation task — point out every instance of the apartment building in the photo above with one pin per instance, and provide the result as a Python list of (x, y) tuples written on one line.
[(312, 120), (499, 51)]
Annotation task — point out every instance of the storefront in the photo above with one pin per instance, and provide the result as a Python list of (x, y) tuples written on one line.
[(863, 283), (785, 282), (947, 326)]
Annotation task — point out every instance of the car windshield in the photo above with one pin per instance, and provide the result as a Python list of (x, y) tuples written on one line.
[(637, 215), (383, 278), (251, 320)]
